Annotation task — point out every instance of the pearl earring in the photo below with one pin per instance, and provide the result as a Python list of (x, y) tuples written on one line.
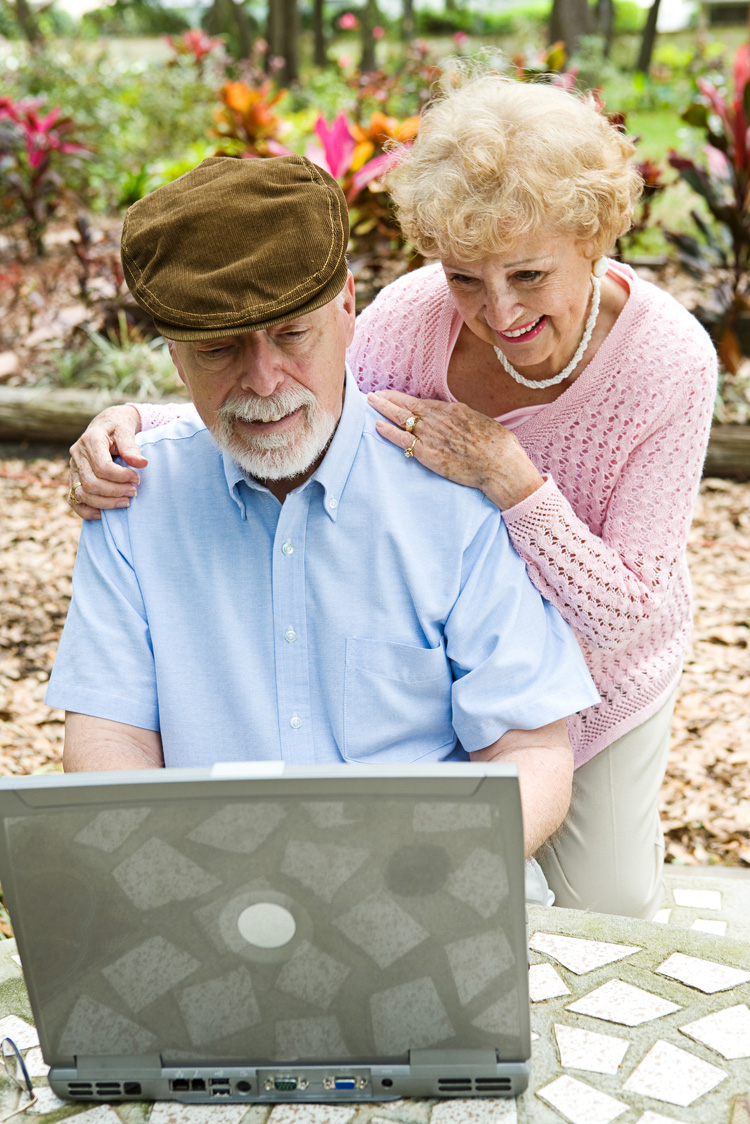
[(600, 267)]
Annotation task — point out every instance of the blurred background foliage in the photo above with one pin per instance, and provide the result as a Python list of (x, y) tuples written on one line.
[(99, 109)]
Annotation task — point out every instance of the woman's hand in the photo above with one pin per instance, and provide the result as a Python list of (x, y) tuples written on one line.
[(460, 444), (95, 480)]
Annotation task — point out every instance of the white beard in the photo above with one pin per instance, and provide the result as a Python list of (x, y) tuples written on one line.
[(280, 454)]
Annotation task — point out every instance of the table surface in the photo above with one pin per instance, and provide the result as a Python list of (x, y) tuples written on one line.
[(662, 1071)]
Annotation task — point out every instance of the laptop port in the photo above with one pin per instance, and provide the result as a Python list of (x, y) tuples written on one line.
[(179, 1085), (345, 1084), (244, 1087), (132, 1088), (219, 1082), (221, 1091), (198, 1085), (285, 1084)]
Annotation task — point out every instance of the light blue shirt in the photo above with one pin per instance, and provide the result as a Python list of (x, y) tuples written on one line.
[(379, 614)]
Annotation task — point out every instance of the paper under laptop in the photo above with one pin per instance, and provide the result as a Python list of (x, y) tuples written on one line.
[(262, 933)]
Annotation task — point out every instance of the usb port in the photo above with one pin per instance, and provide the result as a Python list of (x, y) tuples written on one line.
[(344, 1083)]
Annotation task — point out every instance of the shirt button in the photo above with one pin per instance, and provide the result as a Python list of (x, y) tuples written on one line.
[(295, 722), (288, 548), (333, 502), (290, 635)]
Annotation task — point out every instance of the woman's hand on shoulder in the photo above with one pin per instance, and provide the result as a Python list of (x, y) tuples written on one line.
[(459, 443), (96, 482)]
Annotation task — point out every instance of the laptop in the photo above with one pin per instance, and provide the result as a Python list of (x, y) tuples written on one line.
[(256, 933)]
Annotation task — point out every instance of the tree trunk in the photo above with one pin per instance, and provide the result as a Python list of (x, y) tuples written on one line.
[(274, 33), (649, 38), (290, 40), (407, 21), (369, 20), (570, 19), (605, 18), (26, 20), (320, 57)]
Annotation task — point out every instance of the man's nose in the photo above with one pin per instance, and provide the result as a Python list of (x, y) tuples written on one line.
[(260, 370)]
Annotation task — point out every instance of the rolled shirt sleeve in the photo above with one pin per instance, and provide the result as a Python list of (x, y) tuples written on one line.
[(516, 663), (105, 662)]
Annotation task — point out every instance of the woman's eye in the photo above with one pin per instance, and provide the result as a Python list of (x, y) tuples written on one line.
[(528, 275), (461, 279)]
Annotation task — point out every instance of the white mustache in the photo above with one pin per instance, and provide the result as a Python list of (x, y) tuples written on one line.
[(262, 409)]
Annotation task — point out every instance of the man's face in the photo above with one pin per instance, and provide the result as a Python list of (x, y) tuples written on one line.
[(272, 399)]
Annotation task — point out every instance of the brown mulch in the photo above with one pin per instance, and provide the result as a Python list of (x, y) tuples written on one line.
[(706, 796)]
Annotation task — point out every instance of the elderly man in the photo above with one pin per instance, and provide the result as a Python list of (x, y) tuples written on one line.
[(287, 584)]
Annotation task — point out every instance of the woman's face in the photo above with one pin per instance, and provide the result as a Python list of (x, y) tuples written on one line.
[(531, 302)]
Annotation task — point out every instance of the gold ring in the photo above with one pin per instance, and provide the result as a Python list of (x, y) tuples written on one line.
[(410, 422), (410, 451), (72, 497)]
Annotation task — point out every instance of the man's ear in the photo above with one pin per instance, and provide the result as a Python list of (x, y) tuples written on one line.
[(350, 304), (175, 360)]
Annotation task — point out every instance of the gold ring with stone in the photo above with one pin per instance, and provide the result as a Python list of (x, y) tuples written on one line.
[(72, 497), (410, 451), (410, 422)]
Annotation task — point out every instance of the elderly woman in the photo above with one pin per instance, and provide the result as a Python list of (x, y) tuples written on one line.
[(576, 396)]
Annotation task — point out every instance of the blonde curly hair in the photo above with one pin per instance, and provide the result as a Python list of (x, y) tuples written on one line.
[(497, 158)]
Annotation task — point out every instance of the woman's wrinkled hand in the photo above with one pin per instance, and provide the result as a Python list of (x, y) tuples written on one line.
[(460, 444), (96, 482)]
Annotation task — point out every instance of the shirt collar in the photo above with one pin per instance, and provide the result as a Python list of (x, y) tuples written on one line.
[(333, 471)]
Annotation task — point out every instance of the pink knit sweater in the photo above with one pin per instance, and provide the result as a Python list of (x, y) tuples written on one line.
[(622, 451)]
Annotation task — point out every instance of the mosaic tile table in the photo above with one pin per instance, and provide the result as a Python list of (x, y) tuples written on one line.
[(653, 1031)]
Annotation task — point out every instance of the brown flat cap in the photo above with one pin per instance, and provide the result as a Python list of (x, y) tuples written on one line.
[(236, 246)]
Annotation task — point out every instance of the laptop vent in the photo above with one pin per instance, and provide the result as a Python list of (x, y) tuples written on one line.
[(90, 1090), (455, 1085)]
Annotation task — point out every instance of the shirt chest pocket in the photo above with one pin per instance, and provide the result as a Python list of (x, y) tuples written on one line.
[(397, 702)]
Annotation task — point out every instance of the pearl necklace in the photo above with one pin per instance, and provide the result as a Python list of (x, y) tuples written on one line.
[(542, 384)]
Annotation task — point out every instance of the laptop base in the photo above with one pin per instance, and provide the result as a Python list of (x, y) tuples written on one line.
[(430, 1073)]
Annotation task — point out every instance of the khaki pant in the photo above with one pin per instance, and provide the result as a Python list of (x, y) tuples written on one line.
[(609, 853)]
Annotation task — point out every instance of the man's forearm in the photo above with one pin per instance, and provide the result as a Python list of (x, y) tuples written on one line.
[(93, 744), (545, 777)]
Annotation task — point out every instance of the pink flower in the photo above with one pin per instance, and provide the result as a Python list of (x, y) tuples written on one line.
[(378, 32), (337, 145), (460, 38), (345, 61), (348, 22)]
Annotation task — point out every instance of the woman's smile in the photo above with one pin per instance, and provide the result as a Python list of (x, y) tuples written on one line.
[(528, 331)]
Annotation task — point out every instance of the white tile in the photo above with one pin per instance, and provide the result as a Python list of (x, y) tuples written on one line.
[(495, 1111), (705, 975), (172, 1112), (102, 1114), (661, 917), (727, 1031), (46, 1101), (310, 1114), (35, 1063), (23, 1034), (620, 1002), (657, 1118), (545, 983), (580, 1103), (578, 955), (709, 925), (698, 899), (673, 1075), (583, 1049)]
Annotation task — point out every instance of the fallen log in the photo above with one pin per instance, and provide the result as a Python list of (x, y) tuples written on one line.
[(39, 415)]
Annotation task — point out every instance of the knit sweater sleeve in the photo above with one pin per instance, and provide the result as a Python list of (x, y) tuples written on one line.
[(604, 540), (159, 413)]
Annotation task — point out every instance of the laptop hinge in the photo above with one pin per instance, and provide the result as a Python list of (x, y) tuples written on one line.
[(94, 1066), (465, 1060)]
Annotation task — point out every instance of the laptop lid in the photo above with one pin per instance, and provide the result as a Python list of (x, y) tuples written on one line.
[(266, 932)]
